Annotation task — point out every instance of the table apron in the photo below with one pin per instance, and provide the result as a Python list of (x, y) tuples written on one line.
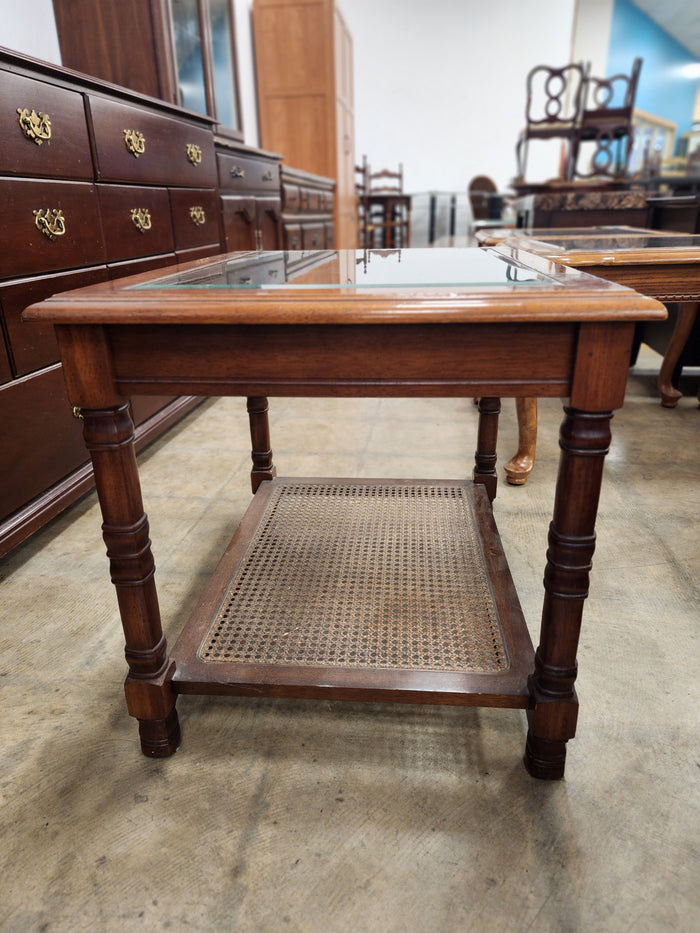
[(340, 360)]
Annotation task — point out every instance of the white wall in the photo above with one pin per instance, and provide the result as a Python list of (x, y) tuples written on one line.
[(29, 26), (440, 84)]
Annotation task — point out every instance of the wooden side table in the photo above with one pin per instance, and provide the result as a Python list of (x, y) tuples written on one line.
[(665, 266), (393, 590)]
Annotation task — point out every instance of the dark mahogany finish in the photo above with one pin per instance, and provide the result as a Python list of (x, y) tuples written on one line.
[(569, 335)]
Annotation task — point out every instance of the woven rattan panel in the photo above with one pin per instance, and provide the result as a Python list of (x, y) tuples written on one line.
[(362, 575)]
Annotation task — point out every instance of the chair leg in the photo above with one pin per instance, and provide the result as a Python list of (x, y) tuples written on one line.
[(520, 466)]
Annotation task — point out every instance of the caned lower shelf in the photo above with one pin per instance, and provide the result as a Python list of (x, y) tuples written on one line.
[(394, 590)]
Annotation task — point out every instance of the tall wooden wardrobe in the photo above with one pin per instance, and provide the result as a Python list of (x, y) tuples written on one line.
[(303, 53)]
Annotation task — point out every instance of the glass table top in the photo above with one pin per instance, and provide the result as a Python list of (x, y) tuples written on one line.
[(357, 269)]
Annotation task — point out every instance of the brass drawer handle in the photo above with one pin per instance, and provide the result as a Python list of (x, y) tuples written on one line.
[(50, 222), (35, 126), (194, 153), (141, 217), (198, 216), (135, 142), (267, 176), (237, 172)]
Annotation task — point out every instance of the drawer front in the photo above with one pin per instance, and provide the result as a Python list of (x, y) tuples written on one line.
[(292, 236), (310, 200), (195, 216), (290, 197), (329, 229), (247, 174), (42, 129), (200, 252), (313, 236), (42, 441), (136, 221), (238, 218), (48, 225), (140, 146), (34, 345)]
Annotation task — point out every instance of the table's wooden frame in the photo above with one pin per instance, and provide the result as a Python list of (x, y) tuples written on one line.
[(573, 340)]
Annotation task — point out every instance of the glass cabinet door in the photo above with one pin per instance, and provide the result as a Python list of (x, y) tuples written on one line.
[(205, 59), (189, 55)]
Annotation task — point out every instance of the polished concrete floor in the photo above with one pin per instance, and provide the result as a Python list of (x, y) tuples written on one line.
[(324, 816)]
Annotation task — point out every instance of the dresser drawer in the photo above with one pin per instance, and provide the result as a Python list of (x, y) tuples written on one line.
[(310, 200), (118, 270), (243, 173), (313, 236), (136, 221), (195, 216), (292, 235), (34, 346), (290, 197), (42, 441), (68, 212), (42, 129), (138, 145)]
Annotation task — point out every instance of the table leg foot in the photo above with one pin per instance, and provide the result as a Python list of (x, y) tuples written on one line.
[(160, 738), (545, 758)]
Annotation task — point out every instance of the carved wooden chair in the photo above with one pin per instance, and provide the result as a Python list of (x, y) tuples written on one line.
[(389, 207), (552, 110), (606, 120), (481, 190)]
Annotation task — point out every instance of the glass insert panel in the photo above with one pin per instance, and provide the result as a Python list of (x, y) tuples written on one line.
[(189, 55), (223, 63), (416, 268)]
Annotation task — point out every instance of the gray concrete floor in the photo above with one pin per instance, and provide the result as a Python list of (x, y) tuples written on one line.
[(324, 816)]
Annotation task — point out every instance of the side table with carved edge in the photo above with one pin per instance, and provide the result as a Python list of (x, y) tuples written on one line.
[(382, 589), (661, 264)]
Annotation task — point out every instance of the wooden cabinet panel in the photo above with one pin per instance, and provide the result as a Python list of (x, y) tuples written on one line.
[(292, 235), (48, 135), (136, 145), (69, 209), (195, 215), (314, 236), (34, 345), (42, 441), (137, 221), (243, 173), (268, 212), (304, 70), (239, 222), (5, 371), (117, 270)]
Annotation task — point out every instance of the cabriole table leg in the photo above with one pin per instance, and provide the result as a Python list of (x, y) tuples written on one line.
[(109, 435), (584, 441)]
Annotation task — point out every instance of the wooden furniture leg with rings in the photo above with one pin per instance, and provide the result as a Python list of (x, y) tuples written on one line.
[(439, 620)]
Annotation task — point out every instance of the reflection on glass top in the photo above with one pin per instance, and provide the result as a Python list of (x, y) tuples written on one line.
[(619, 241), (404, 268)]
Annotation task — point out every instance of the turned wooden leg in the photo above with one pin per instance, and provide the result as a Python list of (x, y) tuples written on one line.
[(520, 466), (485, 456), (261, 450), (109, 435), (584, 441), (687, 313)]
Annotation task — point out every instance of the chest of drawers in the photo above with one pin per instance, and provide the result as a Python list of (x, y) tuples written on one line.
[(96, 182), (307, 210)]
